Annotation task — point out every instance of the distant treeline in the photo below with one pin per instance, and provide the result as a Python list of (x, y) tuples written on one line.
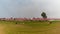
[(29, 19)]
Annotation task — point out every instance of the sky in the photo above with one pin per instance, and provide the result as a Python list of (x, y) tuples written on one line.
[(29, 8)]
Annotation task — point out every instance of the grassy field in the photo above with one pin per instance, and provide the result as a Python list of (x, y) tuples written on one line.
[(29, 27)]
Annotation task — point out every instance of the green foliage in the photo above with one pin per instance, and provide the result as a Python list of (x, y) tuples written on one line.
[(43, 15)]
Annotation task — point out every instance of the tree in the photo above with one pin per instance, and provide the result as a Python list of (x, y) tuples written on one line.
[(43, 14)]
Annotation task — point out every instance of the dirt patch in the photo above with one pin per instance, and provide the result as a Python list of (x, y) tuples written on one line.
[(2, 29)]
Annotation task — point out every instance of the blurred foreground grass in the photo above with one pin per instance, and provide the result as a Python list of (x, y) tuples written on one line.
[(27, 27)]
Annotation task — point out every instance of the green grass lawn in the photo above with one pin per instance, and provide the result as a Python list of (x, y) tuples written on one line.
[(29, 27)]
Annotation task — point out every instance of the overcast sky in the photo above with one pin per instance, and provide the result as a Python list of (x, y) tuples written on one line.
[(29, 8)]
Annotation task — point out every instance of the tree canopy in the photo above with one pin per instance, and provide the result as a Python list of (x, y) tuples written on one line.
[(43, 14)]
